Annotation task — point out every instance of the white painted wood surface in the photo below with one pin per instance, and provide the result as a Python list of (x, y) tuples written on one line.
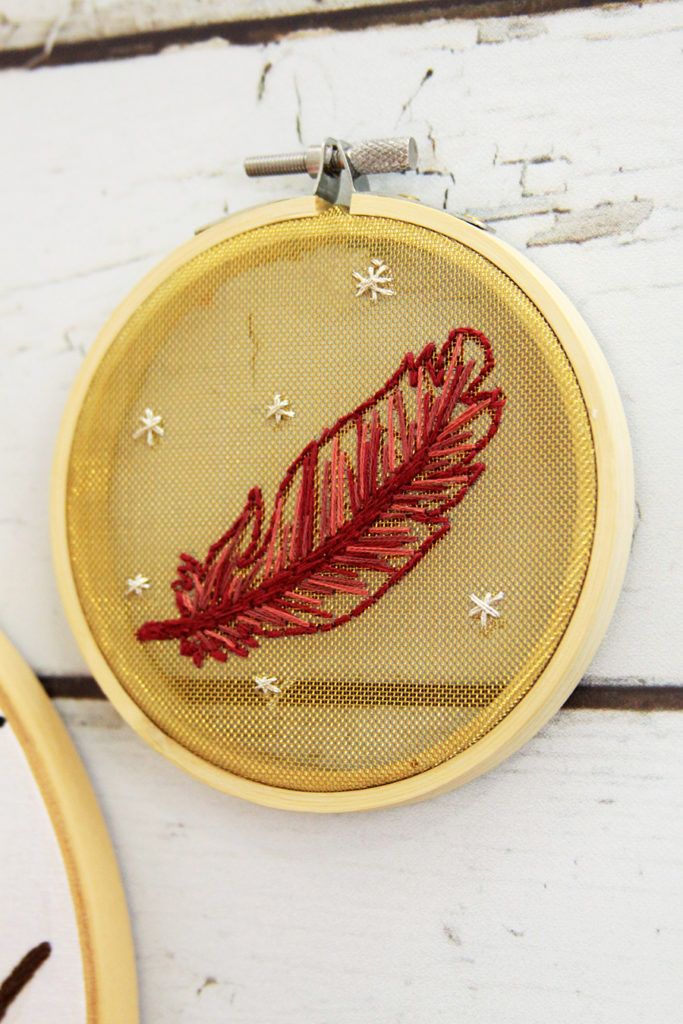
[(549, 890), (29, 23), (561, 131)]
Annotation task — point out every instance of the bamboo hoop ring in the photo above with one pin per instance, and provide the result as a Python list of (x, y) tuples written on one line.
[(608, 558), (108, 959)]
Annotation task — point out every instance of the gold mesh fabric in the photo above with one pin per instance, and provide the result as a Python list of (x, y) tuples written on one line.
[(415, 679)]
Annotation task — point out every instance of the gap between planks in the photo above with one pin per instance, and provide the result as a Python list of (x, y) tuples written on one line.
[(256, 31), (604, 696)]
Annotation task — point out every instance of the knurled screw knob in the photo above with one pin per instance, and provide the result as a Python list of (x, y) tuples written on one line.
[(375, 156)]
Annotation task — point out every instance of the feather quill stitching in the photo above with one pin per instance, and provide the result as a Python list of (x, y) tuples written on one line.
[(356, 511)]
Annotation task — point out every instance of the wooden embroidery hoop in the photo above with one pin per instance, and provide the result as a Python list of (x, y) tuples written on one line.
[(608, 559), (108, 960)]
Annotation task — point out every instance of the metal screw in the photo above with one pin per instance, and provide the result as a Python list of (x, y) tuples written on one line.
[(281, 163), (376, 156)]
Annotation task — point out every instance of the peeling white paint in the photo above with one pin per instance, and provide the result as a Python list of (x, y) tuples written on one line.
[(601, 221)]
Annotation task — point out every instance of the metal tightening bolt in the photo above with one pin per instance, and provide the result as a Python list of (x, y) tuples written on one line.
[(376, 156)]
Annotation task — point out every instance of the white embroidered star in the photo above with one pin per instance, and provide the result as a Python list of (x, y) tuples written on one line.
[(483, 606), (378, 275), (151, 425), (266, 684), (279, 409), (137, 585)]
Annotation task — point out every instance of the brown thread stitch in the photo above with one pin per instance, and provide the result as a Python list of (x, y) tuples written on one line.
[(352, 520), (22, 974)]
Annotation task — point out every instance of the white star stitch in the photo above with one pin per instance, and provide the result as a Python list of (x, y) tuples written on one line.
[(279, 409), (266, 684), (137, 585), (483, 606), (378, 275), (151, 425)]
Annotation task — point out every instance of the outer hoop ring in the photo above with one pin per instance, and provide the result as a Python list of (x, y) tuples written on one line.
[(608, 559), (107, 957)]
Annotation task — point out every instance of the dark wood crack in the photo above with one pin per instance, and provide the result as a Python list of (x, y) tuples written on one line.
[(257, 31), (586, 697)]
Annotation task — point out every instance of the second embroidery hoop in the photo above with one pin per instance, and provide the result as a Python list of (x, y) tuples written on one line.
[(308, 306)]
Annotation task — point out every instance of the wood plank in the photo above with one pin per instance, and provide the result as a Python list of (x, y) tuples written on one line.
[(29, 23), (52, 31), (548, 890), (111, 165)]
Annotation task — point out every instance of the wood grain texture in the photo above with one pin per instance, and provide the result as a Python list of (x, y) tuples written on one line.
[(547, 891), (37, 32), (113, 164), (29, 23)]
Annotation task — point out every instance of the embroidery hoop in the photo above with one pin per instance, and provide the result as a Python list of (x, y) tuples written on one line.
[(608, 556), (108, 960)]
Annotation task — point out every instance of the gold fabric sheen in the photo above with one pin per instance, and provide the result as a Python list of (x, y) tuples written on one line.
[(415, 679)]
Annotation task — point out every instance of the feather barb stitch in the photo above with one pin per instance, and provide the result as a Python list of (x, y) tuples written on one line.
[(355, 512)]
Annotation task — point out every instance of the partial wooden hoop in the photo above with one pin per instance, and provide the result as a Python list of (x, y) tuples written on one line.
[(607, 565), (106, 942)]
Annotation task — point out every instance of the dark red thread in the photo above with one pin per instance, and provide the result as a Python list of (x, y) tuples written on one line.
[(343, 524), (22, 974)]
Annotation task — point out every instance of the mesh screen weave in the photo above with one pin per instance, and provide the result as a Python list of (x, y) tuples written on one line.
[(415, 679)]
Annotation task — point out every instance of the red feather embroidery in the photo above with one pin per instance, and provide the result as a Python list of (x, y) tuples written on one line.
[(356, 510)]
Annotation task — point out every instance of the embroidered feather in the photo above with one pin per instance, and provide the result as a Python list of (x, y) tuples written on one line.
[(356, 511)]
